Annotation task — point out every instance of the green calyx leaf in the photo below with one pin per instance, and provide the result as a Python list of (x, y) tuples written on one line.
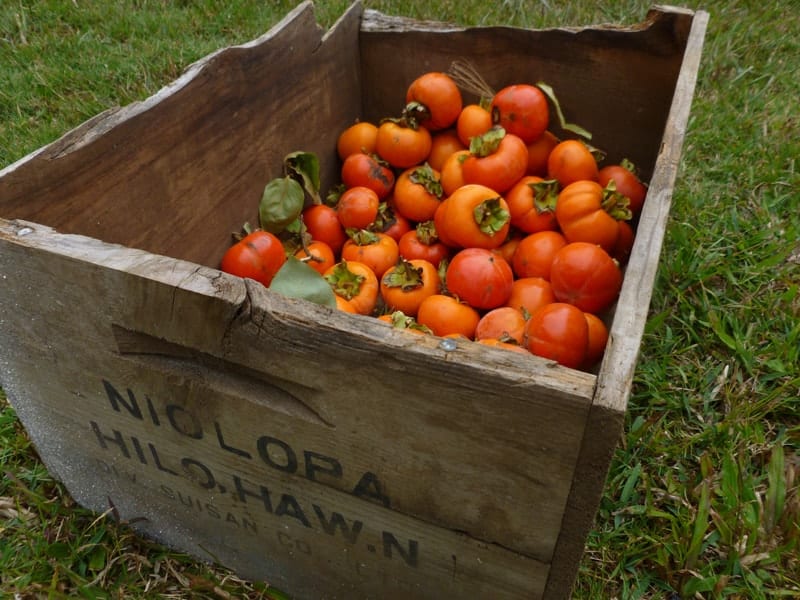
[(362, 237), (304, 166), (548, 91), (487, 143), (281, 203), (545, 195), (424, 176), (404, 275), (491, 216), (615, 204), (426, 233), (344, 282), (400, 320), (296, 279)]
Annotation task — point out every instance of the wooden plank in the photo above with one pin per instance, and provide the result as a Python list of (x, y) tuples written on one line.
[(492, 457), (615, 378), (201, 149)]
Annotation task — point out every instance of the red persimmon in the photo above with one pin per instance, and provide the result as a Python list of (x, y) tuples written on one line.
[(259, 255), (584, 275), (559, 331), (479, 277)]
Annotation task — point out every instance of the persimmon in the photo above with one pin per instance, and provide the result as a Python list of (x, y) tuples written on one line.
[(504, 323), (360, 169), (535, 252), (446, 315), (443, 144), (358, 137), (529, 294), (357, 207), (598, 338), (402, 145), (497, 159), (570, 161), (474, 216), (356, 283), (451, 175), (532, 204), (474, 120), (418, 192), (405, 285), (434, 100), (378, 251), (318, 255), (322, 223), (558, 331), (423, 242)]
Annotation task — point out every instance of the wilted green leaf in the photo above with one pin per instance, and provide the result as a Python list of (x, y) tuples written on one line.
[(548, 91), (305, 165), (296, 279)]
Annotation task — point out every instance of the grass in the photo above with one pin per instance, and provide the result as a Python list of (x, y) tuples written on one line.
[(703, 495)]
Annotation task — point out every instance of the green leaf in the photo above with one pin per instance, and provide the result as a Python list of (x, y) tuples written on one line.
[(296, 279), (305, 166), (281, 203), (548, 91)]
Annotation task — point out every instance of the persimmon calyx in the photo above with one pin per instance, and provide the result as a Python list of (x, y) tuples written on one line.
[(362, 237), (404, 276), (487, 143), (399, 320), (416, 113), (545, 195), (424, 176), (491, 216), (426, 233), (344, 282), (616, 204)]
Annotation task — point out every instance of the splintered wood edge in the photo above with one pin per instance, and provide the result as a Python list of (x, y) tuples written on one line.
[(607, 413), (376, 21)]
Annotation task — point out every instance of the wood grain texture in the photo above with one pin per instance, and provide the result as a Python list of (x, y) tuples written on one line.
[(280, 437)]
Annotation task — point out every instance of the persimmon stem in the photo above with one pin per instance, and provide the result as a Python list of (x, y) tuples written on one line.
[(467, 77)]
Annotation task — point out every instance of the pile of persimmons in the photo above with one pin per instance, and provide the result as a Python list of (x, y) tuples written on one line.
[(472, 220)]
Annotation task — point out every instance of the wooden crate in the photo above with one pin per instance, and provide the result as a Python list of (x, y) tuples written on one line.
[(324, 452)]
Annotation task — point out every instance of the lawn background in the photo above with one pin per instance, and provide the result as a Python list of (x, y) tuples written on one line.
[(702, 497)]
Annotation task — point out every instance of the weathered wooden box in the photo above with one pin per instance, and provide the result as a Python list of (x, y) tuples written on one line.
[(324, 452)]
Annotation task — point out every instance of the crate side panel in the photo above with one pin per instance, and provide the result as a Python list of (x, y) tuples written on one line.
[(202, 149), (631, 72), (492, 456)]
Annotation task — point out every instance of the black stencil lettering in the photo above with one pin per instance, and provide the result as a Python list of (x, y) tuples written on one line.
[(264, 444), (337, 521), (117, 400), (224, 446), (115, 439), (410, 555), (152, 410), (137, 446), (192, 428), (288, 506), (191, 468), (157, 461), (369, 487), (262, 493)]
